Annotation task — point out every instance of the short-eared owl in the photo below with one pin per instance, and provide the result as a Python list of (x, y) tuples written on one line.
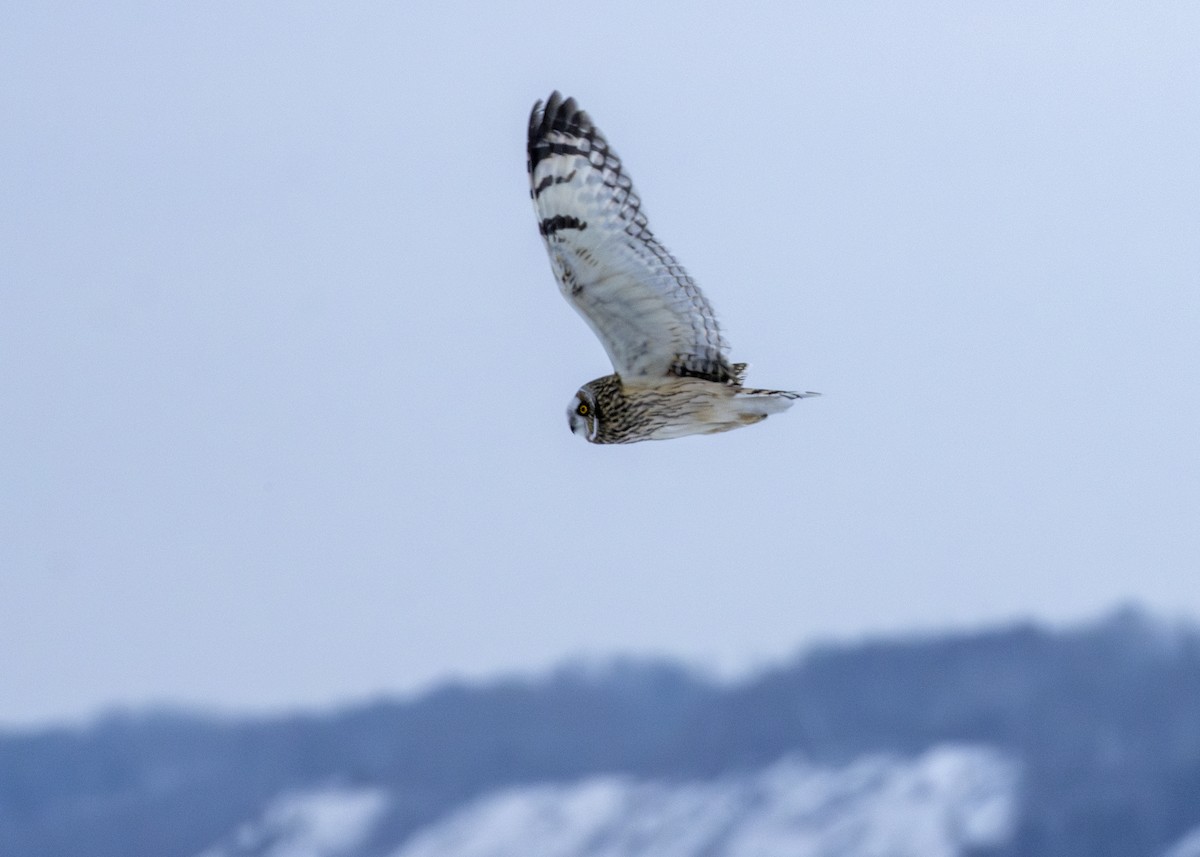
[(672, 378)]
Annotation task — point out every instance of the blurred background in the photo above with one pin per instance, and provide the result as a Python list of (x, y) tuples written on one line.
[(283, 372)]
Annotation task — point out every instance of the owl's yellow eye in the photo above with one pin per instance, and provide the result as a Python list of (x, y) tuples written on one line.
[(582, 410)]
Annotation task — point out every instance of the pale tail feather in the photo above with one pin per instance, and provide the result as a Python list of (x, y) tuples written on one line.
[(767, 402)]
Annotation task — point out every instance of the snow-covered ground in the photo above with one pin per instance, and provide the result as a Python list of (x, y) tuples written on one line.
[(933, 806), (1188, 846), (939, 804), (330, 822)]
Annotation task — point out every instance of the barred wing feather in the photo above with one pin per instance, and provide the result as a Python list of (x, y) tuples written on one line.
[(647, 312)]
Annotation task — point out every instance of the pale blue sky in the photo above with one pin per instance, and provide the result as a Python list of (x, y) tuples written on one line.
[(283, 367)]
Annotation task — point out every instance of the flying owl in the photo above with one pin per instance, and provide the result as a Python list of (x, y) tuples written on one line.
[(671, 375)]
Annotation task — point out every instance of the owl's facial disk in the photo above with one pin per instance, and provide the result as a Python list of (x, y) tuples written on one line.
[(581, 416)]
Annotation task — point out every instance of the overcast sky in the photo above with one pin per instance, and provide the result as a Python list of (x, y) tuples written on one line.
[(283, 368)]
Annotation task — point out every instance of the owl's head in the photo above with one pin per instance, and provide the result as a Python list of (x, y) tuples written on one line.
[(583, 416)]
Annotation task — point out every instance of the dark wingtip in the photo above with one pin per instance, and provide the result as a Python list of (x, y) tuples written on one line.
[(547, 108), (557, 114), (541, 121), (543, 115)]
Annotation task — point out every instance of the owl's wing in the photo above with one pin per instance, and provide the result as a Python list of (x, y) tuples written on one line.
[(649, 314)]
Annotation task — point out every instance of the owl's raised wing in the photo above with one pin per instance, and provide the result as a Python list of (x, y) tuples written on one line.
[(648, 313)]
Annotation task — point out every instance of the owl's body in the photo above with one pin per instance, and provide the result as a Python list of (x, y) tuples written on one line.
[(673, 407), (672, 377)]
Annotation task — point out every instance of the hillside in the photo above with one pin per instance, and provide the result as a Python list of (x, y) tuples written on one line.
[(1081, 743)]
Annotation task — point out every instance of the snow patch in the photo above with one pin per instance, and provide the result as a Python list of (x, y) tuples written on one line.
[(1188, 846), (328, 822), (938, 805)]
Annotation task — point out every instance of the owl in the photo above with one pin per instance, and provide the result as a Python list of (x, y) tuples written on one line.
[(671, 377)]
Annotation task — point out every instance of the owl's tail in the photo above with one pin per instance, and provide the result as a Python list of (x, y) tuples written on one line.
[(763, 403)]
